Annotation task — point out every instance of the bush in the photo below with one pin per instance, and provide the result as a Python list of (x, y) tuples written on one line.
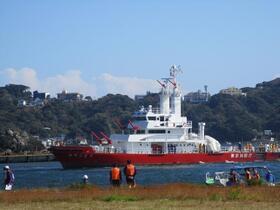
[(119, 198)]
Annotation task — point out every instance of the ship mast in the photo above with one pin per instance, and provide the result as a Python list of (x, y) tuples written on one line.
[(173, 95), (176, 92)]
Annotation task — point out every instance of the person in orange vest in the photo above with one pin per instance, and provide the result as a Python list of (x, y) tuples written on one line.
[(130, 172), (256, 175), (115, 176), (248, 175)]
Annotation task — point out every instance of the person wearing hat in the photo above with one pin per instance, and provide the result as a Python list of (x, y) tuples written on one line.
[(85, 179), (9, 178)]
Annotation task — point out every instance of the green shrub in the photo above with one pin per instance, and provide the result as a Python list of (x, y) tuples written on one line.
[(119, 198), (215, 197), (234, 194), (254, 182)]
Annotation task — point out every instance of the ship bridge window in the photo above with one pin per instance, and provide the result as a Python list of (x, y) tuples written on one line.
[(140, 131), (156, 131), (139, 118), (161, 118), (152, 118)]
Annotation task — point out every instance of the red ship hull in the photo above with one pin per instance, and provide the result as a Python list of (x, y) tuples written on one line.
[(85, 156)]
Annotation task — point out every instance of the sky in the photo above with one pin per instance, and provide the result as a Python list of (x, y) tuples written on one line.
[(119, 46)]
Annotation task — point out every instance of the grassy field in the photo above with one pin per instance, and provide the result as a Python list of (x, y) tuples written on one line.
[(172, 196)]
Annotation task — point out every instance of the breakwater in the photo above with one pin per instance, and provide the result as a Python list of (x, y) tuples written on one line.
[(26, 158)]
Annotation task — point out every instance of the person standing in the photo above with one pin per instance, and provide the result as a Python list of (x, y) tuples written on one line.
[(115, 176), (257, 176), (270, 178), (130, 172), (85, 179), (248, 175), (9, 178)]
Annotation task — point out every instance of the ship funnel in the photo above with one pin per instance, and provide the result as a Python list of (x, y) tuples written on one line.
[(164, 101), (164, 96), (201, 127), (176, 102)]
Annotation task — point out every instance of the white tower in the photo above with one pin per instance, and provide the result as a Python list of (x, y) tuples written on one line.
[(176, 102), (176, 93), (206, 92), (164, 99), (201, 127)]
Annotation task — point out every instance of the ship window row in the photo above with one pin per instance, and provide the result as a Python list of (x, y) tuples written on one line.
[(152, 131), (140, 131), (169, 145), (150, 118), (161, 118), (140, 118), (156, 131), (131, 131), (143, 145)]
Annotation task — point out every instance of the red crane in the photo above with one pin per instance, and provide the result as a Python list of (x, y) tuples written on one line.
[(161, 84), (173, 83), (96, 137), (118, 123), (106, 137), (134, 127)]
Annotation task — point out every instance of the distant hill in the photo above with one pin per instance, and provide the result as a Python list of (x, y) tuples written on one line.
[(21, 126), (240, 118), (228, 118)]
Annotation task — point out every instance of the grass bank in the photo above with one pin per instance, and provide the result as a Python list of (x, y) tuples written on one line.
[(171, 196)]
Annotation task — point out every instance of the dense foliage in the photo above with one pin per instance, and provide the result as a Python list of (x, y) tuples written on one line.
[(228, 118), (240, 118)]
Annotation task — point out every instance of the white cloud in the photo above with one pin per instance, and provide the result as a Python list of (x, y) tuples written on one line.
[(25, 76), (276, 76), (127, 85), (72, 81)]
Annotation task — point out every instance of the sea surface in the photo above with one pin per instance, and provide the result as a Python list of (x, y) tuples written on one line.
[(52, 175)]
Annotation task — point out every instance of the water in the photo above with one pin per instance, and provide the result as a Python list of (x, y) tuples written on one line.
[(51, 174)]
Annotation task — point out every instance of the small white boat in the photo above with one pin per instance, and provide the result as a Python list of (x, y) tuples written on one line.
[(218, 178), (241, 175), (229, 161)]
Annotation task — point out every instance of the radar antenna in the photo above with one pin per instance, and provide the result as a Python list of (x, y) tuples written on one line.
[(174, 70)]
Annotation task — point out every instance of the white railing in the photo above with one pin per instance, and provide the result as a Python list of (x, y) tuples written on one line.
[(188, 124), (156, 110)]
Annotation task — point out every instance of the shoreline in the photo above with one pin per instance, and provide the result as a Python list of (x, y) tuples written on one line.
[(26, 158)]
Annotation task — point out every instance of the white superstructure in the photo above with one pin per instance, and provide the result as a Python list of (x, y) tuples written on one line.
[(164, 130)]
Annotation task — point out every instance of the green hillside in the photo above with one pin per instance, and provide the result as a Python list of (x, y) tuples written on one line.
[(228, 118), (240, 118)]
